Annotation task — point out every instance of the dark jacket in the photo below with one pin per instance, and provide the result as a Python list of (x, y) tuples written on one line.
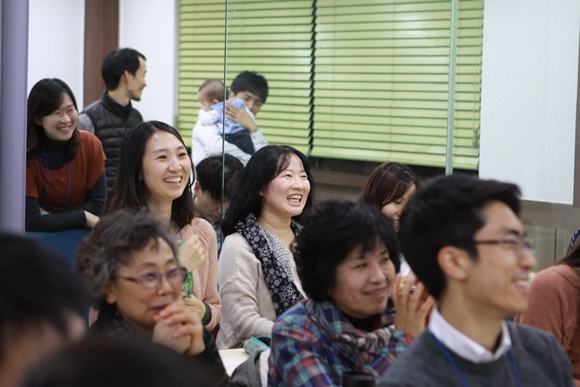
[(110, 122)]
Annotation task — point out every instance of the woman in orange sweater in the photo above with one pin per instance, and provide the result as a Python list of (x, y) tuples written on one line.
[(554, 305)]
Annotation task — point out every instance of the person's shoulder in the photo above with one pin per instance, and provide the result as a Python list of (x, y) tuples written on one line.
[(531, 339), (421, 355), (92, 106), (296, 315), (557, 276), (201, 225), (90, 141), (235, 239)]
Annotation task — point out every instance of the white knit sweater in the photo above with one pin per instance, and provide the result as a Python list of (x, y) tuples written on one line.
[(247, 308)]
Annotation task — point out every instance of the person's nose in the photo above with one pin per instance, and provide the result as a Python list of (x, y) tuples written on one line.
[(298, 183), (165, 287), (65, 118), (376, 273), (528, 259), (174, 164)]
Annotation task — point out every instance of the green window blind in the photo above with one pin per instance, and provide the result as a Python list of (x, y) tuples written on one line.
[(380, 81), (359, 82), (201, 56), (273, 38)]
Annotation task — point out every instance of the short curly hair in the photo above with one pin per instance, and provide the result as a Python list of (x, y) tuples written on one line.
[(331, 230), (112, 244)]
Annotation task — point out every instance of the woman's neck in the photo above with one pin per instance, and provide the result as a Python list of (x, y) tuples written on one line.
[(53, 145), (162, 210), (280, 227)]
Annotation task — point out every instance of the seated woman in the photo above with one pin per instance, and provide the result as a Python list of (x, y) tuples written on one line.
[(390, 187), (257, 274), (554, 305), (65, 178), (154, 172), (347, 259), (130, 263)]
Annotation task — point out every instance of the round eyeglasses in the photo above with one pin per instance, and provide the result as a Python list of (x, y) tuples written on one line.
[(153, 279)]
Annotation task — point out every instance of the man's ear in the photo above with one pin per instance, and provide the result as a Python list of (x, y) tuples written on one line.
[(454, 262), (196, 188)]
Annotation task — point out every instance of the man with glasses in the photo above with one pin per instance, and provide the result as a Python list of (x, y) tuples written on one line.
[(464, 240)]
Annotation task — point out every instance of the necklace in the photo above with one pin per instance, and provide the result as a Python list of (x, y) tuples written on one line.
[(460, 375)]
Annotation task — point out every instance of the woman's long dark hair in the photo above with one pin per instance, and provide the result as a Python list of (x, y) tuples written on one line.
[(46, 97), (262, 168), (388, 182), (130, 190)]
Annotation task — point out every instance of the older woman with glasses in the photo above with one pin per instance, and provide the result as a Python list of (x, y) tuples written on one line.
[(130, 262)]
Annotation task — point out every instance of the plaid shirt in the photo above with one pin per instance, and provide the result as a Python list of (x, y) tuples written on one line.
[(302, 355)]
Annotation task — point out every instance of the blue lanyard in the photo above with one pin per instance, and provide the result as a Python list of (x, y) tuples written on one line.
[(460, 375), (48, 181)]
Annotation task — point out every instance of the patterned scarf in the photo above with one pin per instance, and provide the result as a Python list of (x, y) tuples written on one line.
[(275, 260), (355, 344)]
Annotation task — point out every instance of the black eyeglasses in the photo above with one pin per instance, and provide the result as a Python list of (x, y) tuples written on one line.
[(153, 279), (520, 244)]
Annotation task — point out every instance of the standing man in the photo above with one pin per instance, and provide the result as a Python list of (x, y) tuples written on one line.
[(464, 240), (111, 118), (250, 87)]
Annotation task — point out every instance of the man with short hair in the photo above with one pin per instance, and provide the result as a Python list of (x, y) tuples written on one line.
[(463, 238), (111, 118), (41, 303), (208, 189), (253, 89)]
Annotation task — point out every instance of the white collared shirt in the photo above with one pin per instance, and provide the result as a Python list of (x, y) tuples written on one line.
[(463, 345)]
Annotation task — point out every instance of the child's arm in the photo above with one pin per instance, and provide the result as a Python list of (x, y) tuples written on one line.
[(208, 118)]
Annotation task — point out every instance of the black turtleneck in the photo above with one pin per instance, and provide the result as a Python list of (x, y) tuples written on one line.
[(367, 324), (53, 156)]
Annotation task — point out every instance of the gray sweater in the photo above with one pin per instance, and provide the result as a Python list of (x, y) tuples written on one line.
[(540, 361)]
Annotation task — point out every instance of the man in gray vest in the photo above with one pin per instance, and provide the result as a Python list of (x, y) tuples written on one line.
[(111, 118)]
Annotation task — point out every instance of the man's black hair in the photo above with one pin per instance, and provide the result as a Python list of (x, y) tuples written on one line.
[(209, 175), (117, 62), (37, 286), (252, 82), (447, 212), (118, 362)]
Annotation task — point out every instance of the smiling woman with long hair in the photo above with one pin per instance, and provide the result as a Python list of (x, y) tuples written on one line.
[(65, 178), (257, 273), (155, 173)]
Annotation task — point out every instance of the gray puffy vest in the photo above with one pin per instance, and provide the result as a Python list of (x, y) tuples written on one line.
[(111, 123)]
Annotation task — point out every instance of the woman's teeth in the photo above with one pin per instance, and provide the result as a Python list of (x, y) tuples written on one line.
[(295, 198), (176, 180)]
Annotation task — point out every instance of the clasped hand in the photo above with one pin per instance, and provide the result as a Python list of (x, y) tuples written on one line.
[(180, 329)]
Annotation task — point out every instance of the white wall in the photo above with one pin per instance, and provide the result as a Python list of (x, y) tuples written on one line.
[(529, 92), (149, 26), (56, 43)]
